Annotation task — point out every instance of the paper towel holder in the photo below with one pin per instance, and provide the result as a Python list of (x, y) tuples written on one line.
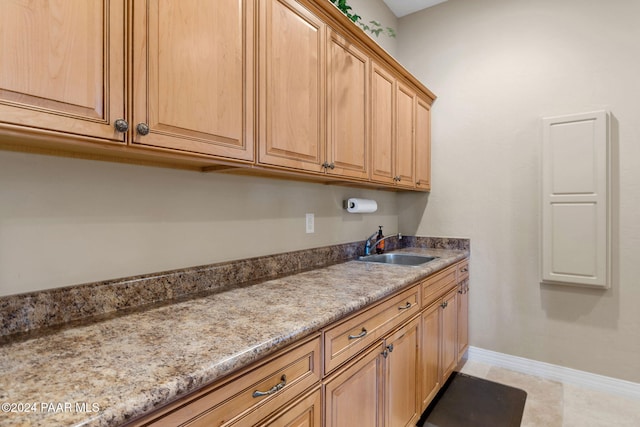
[(356, 205)]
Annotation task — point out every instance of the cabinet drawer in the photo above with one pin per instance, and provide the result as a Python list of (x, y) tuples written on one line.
[(436, 285), (463, 271), (347, 339), (282, 379)]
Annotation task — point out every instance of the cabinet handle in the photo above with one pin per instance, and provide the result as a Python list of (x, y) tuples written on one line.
[(360, 335), (276, 388), (464, 270), (444, 304), (462, 291), (142, 128), (121, 125), (328, 165), (404, 307), (385, 353), (390, 348)]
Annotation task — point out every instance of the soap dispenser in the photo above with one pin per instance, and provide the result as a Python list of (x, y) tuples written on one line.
[(380, 244)]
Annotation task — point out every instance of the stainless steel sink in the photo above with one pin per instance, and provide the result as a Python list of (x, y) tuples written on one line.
[(400, 259)]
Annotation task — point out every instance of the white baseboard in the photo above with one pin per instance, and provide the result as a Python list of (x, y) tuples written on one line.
[(556, 372)]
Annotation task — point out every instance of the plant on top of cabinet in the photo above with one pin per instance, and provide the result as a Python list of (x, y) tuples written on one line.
[(376, 27)]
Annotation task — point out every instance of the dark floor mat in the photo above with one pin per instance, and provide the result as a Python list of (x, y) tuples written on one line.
[(467, 401)]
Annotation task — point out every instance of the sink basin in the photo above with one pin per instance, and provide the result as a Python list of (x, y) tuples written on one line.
[(400, 259)]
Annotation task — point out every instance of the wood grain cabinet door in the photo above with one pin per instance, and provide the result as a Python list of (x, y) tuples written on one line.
[(354, 396), (62, 66), (383, 143), (405, 142), (449, 333), (347, 103), (291, 86), (423, 145), (430, 353), (192, 76), (402, 383)]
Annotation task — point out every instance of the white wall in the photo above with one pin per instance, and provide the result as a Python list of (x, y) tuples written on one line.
[(498, 66)]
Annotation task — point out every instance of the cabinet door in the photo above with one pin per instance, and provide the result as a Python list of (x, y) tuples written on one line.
[(291, 86), (423, 145), (449, 333), (405, 144), (382, 125), (354, 396), (305, 413), (430, 353), (401, 376), (463, 318), (192, 76), (62, 66), (347, 100)]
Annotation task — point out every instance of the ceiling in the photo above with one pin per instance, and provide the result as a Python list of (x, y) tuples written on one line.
[(404, 7)]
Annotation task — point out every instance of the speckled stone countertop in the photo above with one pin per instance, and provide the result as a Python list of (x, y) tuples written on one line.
[(112, 370)]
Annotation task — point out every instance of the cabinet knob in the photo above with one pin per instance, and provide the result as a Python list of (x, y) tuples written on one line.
[(444, 304), (142, 128), (328, 165), (121, 125), (390, 348)]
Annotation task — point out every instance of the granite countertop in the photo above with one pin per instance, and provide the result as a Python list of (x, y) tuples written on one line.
[(107, 372)]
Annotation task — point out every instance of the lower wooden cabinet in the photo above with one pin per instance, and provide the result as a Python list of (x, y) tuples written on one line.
[(382, 387), (307, 412), (402, 372), (430, 353), (246, 398), (412, 345), (449, 351), (353, 396), (463, 309)]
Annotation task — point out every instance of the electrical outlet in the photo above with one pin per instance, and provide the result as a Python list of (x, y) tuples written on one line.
[(310, 223)]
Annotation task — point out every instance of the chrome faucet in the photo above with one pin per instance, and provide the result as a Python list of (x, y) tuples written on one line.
[(368, 245)]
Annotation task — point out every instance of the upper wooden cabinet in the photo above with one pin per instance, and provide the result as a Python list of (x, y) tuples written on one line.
[(62, 66), (313, 92), (193, 76), (266, 87), (347, 104), (405, 131), (383, 141), (423, 144), (291, 86), (400, 140)]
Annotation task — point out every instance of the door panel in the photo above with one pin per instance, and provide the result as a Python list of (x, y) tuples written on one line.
[(62, 66), (347, 108), (191, 62), (291, 86)]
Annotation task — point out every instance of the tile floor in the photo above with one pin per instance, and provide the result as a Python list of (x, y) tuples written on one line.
[(554, 404)]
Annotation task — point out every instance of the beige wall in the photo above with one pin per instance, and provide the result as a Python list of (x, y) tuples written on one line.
[(498, 66), (69, 221), (377, 10)]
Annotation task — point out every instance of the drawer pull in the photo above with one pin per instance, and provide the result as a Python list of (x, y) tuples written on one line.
[(464, 270), (276, 388), (360, 335), (404, 307)]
